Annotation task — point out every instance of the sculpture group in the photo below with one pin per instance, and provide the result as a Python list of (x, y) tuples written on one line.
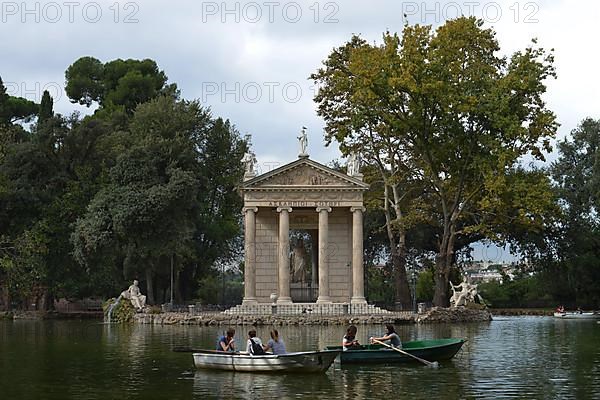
[(133, 294), (463, 294)]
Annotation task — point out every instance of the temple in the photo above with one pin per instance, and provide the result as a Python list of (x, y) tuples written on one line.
[(303, 234)]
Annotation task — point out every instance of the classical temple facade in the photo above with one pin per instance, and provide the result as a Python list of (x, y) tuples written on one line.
[(303, 234)]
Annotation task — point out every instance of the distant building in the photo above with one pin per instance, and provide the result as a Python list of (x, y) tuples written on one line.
[(487, 271)]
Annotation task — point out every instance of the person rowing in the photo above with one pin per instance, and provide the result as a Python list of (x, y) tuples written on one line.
[(390, 335)]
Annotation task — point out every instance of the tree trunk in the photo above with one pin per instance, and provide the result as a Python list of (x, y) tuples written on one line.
[(398, 252), (149, 287), (177, 288), (441, 276), (402, 290), (443, 262), (46, 300), (5, 302)]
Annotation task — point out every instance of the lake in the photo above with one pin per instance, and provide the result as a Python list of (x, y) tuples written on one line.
[(512, 357)]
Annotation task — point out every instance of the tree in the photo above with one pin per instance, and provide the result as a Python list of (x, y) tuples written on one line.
[(46, 108), (165, 201), (577, 177), (444, 117), (117, 84), (147, 182), (13, 109)]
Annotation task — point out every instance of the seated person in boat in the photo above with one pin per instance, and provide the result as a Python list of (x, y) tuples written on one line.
[(390, 335), (227, 343), (560, 309), (275, 344), (254, 345), (349, 341)]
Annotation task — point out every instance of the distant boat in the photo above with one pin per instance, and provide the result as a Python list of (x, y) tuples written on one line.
[(305, 361), (576, 315), (430, 350)]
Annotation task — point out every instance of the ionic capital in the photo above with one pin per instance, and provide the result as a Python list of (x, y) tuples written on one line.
[(280, 209), (357, 208), (324, 208), (253, 209)]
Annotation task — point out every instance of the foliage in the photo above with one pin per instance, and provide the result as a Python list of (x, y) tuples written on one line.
[(147, 182), (122, 313), (116, 84), (425, 286), (448, 120), (46, 112), (23, 261), (170, 194), (219, 288), (379, 287), (573, 261), (522, 291), (13, 109)]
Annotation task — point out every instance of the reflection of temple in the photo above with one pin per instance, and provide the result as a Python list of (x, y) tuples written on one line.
[(323, 208)]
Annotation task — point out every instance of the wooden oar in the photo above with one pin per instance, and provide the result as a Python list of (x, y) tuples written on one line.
[(428, 363), (180, 349)]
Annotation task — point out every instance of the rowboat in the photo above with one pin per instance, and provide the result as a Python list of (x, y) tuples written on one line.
[(431, 350), (304, 361), (576, 315)]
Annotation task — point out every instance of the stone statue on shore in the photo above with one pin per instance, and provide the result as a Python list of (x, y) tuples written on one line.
[(467, 294), (133, 294)]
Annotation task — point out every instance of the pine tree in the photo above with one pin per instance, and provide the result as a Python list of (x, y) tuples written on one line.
[(46, 111)]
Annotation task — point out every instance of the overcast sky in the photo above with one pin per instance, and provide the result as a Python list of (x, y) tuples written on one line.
[(249, 61)]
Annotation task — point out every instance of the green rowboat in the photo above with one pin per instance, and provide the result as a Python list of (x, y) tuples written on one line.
[(430, 350)]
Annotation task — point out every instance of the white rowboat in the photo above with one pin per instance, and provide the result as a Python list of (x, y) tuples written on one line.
[(576, 315), (305, 361)]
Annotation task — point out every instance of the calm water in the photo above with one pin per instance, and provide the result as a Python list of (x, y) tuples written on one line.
[(520, 357)]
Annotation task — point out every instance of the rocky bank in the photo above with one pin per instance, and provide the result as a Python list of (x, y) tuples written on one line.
[(435, 315)]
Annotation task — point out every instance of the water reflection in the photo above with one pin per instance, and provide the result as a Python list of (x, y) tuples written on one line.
[(526, 357), (238, 385)]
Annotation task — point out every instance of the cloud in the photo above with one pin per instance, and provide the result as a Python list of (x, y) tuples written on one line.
[(230, 45)]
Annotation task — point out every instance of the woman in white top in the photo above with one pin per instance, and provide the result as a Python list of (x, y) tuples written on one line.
[(254, 345)]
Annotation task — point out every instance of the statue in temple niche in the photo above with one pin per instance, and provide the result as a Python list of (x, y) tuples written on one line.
[(298, 262), (133, 294)]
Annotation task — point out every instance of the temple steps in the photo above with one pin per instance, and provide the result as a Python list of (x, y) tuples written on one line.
[(306, 308)]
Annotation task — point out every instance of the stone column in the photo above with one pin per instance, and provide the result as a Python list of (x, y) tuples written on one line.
[(314, 256), (358, 273), (323, 255), (250, 255), (284, 255)]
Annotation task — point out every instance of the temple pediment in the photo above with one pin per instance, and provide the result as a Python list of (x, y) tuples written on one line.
[(304, 174)]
